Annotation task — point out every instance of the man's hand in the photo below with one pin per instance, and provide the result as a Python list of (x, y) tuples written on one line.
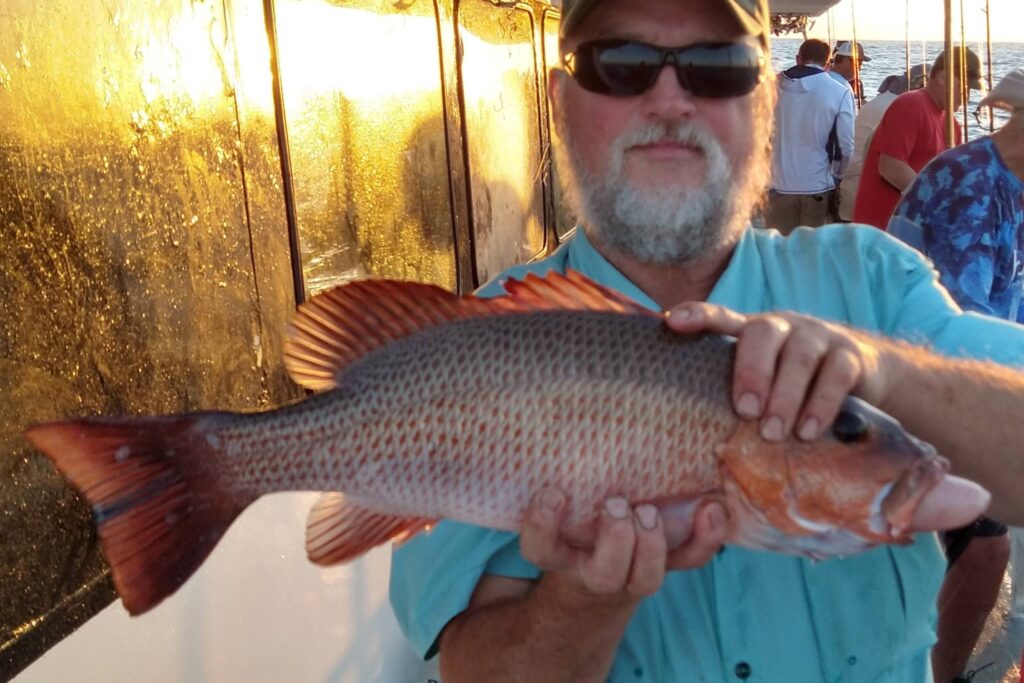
[(629, 555), (791, 371)]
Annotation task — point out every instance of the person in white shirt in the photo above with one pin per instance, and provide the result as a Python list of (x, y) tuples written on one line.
[(813, 141), (845, 68), (868, 118)]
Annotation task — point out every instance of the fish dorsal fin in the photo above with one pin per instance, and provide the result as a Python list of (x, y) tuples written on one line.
[(571, 291), (340, 529), (341, 325)]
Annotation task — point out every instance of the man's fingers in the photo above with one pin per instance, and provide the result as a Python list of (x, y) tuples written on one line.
[(836, 378), (540, 538), (799, 361), (606, 570), (648, 570), (710, 532), (698, 316), (757, 350)]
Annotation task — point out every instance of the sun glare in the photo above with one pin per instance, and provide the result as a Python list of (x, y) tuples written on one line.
[(887, 20)]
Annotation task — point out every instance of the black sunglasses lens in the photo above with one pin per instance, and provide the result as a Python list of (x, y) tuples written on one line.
[(628, 68), (720, 70), (617, 67)]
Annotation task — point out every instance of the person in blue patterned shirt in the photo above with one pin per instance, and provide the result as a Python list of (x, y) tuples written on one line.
[(965, 211)]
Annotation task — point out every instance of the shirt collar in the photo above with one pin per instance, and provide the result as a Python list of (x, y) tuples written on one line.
[(732, 288)]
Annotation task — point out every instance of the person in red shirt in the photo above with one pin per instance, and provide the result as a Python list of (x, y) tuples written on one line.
[(912, 133)]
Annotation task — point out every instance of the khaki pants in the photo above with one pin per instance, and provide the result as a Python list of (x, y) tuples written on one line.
[(788, 211)]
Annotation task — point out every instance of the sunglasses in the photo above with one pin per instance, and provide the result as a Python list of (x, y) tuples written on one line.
[(626, 68)]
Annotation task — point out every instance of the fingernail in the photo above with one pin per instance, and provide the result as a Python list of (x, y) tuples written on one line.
[(809, 429), (771, 429), (680, 313), (648, 516), (617, 508), (550, 500), (748, 405)]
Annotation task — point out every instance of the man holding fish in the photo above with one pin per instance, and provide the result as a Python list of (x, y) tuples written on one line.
[(663, 116), (625, 496)]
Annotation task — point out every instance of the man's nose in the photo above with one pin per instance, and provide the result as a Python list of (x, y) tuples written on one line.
[(667, 98)]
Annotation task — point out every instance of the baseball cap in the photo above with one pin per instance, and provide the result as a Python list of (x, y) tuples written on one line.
[(1008, 93), (897, 85), (753, 14), (845, 48), (972, 61)]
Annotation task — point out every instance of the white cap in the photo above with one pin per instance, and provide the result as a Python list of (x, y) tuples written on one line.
[(845, 48), (1008, 93)]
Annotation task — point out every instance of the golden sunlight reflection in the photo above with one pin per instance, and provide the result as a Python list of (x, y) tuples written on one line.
[(176, 59), (500, 90), (324, 50), (360, 54)]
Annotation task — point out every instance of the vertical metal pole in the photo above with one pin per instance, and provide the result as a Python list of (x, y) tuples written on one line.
[(947, 69), (988, 40), (284, 151)]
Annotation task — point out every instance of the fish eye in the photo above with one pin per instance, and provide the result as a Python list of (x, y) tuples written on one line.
[(850, 427)]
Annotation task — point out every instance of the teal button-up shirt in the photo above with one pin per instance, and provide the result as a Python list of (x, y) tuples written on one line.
[(751, 615)]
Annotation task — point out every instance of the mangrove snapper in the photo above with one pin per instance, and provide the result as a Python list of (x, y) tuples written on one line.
[(438, 406)]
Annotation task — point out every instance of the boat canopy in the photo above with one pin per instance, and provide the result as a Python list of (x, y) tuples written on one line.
[(811, 8)]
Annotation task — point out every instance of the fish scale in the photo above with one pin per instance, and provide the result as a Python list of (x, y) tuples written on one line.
[(570, 404)]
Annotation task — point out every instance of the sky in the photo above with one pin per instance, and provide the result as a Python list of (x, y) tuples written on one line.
[(887, 20)]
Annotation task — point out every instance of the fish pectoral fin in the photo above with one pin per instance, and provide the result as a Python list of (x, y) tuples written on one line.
[(340, 529)]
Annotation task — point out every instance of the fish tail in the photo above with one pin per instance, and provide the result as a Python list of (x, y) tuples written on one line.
[(151, 487)]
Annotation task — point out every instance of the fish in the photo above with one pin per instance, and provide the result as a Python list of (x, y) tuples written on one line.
[(426, 406)]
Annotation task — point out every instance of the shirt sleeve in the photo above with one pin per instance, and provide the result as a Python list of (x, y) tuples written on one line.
[(927, 315), (896, 134), (953, 232), (845, 131), (433, 576)]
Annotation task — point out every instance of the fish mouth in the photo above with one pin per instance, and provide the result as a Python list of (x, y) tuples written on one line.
[(894, 506)]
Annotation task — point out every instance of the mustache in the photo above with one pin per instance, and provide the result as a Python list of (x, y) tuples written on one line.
[(685, 133)]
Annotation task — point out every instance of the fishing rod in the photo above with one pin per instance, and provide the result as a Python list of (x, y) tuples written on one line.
[(965, 86), (988, 40), (907, 37), (858, 88), (948, 67)]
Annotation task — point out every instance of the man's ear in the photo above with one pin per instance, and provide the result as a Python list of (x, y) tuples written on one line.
[(556, 80)]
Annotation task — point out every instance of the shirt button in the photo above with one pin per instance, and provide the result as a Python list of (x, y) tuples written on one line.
[(851, 660), (743, 671)]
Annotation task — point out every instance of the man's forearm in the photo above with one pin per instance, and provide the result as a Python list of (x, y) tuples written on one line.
[(553, 634), (973, 413), (897, 173)]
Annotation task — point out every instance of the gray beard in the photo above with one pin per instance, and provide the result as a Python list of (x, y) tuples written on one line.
[(665, 225)]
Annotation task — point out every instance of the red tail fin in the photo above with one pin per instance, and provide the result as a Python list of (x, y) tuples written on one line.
[(151, 487)]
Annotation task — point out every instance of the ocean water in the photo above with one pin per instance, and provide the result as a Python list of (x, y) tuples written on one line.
[(889, 57)]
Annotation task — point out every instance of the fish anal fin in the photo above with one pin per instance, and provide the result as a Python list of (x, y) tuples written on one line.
[(340, 529)]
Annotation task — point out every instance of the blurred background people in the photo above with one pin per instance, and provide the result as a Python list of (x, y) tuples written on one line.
[(847, 61), (868, 118), (912, 132), (813, 141), (966, 212)]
